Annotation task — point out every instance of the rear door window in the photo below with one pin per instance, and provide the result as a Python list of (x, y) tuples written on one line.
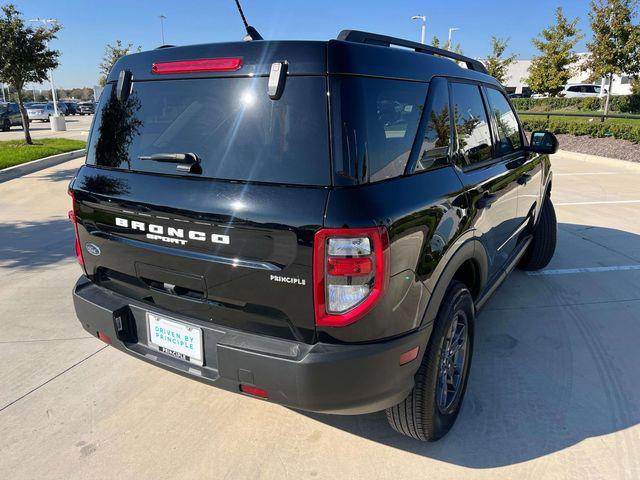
[(374, 126), (231, 124), (509, 138), (470, 122)]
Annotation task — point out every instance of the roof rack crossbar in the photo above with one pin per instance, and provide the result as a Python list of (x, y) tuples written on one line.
[(358, 36)]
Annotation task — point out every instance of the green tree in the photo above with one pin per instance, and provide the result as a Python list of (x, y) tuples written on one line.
[(445, 46), (615, 47), (112, 54), (24, 56), (551, 70), (498, 65)]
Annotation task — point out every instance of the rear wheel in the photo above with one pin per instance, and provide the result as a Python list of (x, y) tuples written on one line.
[(432, 407), (6, 125), (543, 245)]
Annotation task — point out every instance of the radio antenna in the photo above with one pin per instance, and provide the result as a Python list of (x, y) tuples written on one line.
[(252, 33)]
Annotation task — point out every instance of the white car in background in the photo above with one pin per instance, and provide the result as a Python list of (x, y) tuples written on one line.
[(40, 111), (581, 90)]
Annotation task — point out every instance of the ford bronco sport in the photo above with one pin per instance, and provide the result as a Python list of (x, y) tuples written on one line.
[(315, 224)]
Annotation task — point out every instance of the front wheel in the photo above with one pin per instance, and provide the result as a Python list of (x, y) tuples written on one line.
[(543, 245), (432, 407)]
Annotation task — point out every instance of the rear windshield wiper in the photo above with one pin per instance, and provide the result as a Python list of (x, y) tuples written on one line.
[(187, 162)]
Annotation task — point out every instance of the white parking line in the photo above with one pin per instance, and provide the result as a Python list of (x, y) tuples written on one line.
[(566, 271), (602, 202)]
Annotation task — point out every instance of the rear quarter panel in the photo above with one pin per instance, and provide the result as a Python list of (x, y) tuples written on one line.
[(426, 216)]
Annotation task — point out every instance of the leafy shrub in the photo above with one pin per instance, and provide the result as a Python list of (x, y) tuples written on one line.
[(596, 129)]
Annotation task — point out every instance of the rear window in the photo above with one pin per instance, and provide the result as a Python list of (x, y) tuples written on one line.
[(374, 126), (231, 124)]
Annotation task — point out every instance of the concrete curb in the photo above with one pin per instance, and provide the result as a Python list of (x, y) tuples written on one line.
[(612, 162), (39, 164)]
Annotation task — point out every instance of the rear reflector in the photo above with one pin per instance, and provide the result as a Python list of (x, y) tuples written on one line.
[(409, 355), (104, 338), (258, 392), (196, 66)]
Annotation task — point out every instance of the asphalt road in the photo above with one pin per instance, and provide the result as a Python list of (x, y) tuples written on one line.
[(554, 390), (78, 127)]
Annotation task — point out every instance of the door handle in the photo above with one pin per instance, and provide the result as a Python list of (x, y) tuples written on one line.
[(524, 178), (486, 200)]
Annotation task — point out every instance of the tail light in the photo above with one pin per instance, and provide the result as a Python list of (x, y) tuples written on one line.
[(72, 217), (350, 272)]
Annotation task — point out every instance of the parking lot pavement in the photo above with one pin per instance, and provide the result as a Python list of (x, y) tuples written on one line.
[(78, 127), (554, 391)]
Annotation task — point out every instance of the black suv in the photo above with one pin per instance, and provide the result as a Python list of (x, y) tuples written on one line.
[(312, 223)]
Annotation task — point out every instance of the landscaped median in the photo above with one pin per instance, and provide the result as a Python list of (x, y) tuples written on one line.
[(622, 129), (16, 152)]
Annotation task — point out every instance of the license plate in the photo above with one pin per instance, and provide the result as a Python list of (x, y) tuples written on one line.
[(175, 338)]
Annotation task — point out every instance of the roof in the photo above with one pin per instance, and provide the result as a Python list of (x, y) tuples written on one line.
[(353, 53)]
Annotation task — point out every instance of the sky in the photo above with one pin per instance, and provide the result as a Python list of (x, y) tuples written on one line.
[(89, 26)]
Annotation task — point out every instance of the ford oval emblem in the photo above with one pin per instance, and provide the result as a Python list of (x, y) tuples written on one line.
[(93, 249)]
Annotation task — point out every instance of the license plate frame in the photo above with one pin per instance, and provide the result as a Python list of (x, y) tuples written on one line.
[(175, 338)]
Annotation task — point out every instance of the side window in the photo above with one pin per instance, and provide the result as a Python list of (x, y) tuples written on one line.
[(375, 122), (509, 139), (470, 121), (573, 89), (437, 136), (14, 108)]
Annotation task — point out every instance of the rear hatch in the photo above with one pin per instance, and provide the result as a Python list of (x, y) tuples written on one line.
[(229, 240)]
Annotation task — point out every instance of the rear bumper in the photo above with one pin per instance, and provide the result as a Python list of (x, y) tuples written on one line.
[(329, 378)]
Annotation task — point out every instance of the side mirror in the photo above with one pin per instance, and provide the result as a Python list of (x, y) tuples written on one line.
[(543, 142)]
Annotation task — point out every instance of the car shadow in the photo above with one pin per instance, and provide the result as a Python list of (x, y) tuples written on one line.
[(555, 362), (31, 245), (60, 175)]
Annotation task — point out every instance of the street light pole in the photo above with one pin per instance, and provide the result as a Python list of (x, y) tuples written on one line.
[(451, 30), (424, 26), (46, 22), (162, 19), (4, 99)]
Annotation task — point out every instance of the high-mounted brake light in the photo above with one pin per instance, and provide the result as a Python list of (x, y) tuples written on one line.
[(74, 220), (197, 66), (350, 272)]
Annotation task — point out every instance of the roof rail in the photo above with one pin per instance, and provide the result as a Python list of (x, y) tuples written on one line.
[(358, 36)]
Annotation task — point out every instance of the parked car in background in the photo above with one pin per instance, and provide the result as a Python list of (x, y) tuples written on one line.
[(86, 108), (63, 109), (40, 111), (9, 116), (540, 95), (72, 108), (581, 90)]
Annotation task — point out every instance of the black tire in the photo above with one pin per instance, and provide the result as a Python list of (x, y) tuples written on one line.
[(6, 125), (543, 245), (421, 415)]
